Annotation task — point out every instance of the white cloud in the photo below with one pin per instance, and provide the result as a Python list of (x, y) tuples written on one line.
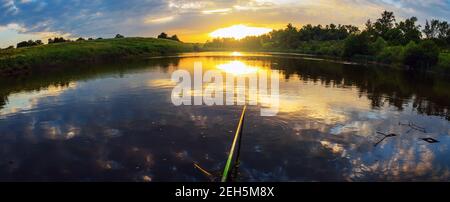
[(217, 11), (159, 20), (11, 7), (13, 26)]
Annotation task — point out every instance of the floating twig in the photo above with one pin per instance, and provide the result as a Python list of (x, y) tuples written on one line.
[(413, 126), (430, 140), (384, 137)]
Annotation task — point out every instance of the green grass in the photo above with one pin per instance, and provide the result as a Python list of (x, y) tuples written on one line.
[(17, 60)]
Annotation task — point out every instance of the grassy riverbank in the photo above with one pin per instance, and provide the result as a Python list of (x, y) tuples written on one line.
[(19, 60), (384, 55)]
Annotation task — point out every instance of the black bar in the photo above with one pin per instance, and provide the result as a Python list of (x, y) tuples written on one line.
[(281, 191)]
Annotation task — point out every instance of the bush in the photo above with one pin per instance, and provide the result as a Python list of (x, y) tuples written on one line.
[(444, 61), (58, 40), (163, 35), (389, 55), (377, 46), (29, 43), (175, 38), (421, 56), (356, 45)]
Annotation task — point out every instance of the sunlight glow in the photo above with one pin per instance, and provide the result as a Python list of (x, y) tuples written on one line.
[(239, 32), (237, 68), (236, 54)]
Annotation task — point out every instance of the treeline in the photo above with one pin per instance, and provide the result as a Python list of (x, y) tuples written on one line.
[(385, 40), (55, 40), (29, 43), (288, 38)]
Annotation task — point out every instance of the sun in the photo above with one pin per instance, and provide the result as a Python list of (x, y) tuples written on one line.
[(239, 32)]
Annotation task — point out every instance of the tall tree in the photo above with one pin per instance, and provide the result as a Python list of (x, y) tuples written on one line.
[(427, 30), (410, 31), (443, 30), (385, 23)]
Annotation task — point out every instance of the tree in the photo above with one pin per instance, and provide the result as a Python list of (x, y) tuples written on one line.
[(163, 35), (57, 40), (290, 39), (377, 46), (29, 43), (174, 37), (22, 44), (356, 44), (394, 36), (384, 24), (410, 31), (431, 29), (438, 31), (119, 36), (443, 30), (80, 39), (370, 30)]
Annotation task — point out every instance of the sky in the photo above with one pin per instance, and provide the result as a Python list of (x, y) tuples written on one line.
[(191, 20)]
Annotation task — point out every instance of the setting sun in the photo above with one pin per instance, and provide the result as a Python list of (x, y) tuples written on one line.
[(239, 32)]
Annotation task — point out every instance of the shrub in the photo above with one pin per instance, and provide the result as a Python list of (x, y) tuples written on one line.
[(163, 35), (29, 43), (423, 55), (444, 61), (356, 45), (389, 55), (175, 38), (377, 46), (57, 40)]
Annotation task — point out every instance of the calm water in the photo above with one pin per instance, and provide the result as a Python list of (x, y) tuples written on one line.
[(117, 123)]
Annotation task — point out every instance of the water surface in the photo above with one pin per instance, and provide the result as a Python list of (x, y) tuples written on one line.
[(116, 122)]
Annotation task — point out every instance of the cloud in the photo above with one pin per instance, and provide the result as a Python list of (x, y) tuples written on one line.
[(160, 20), (217, 11), (105, 18), (12, 26), (79, 17)]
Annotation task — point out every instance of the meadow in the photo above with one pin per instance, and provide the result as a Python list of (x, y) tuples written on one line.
[(19, 60)]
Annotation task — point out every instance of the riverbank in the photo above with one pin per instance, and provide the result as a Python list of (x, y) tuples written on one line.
[(328, 50), (21, 61), (24, 60)]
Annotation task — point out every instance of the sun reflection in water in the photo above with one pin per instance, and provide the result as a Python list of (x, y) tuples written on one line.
[(237, 68), (236, 54)]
